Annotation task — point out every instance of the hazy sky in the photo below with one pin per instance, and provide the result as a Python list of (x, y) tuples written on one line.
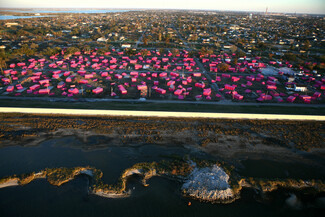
[(299, 6)]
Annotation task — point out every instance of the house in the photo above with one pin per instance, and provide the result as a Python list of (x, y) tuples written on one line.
[(101, 39), (290, 87), (291, 79), (126, 46), (300, 87), (11, 24)]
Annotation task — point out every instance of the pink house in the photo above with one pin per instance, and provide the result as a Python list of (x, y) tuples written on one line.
[(163, 74), (67, 73), (229, 87), (61, 85), (238, 97), (122, 89), (291, 98), (118, 76), (10, 88), (134, 73), (161, 91), (170, 83), (104, 74), (19, 87), (97, 90), (225, 75), (73, 90), (200, 85), (178, 92), (83, 81), (271, 87), (44, 91), (317, 94), (87, 76), (207, 92), (142, 87), (34, 87)]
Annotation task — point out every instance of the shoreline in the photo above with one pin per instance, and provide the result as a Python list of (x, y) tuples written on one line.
[(9, 183), (112, 195), (211, 183)]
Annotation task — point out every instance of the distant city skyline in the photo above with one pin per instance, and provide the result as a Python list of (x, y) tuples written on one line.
[(282, 6)]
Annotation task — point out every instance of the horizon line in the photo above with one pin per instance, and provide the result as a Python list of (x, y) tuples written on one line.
[(184, 9)]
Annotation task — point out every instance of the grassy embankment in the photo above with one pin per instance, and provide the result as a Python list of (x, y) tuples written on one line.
[(301, 135)]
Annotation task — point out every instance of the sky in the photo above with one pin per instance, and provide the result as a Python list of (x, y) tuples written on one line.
[(286, 6)]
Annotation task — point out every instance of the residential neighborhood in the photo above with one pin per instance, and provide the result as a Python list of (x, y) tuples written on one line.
[(166, 55)]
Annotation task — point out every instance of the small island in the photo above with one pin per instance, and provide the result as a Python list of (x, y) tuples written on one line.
[(207, 181)]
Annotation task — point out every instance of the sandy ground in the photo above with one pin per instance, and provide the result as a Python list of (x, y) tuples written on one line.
[(13, 182), (112, 195), (209, 184)]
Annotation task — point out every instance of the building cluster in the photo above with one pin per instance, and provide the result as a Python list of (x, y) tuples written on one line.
[(176, 55)]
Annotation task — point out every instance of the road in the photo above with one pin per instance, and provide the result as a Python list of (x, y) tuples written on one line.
[(214, 86), (140, 39), (87, 112), (225, 103)]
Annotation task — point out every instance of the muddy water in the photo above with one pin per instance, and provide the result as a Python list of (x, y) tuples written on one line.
[(161, 198)]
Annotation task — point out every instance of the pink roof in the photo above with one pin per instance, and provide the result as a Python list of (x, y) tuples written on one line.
[(161, 91), (44, 91), (207, 92), (98, 90), (10, 88), (73, 90)]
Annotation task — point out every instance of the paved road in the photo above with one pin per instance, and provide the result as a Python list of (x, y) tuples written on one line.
[(226, 103), (160, 114), (140, 39), (214, 86)]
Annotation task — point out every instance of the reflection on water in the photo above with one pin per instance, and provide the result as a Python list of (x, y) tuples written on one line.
[(161, 198), (272, 169)]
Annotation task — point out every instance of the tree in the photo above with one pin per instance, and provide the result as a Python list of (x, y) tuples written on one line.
[(34, 46), (223, 67), (175, 52), (235, 61), (144, 52), (145, 41), (3, 63), (240, 53), (306, 45), (233, 48), (72, 50), (48, 51), (290, 56)]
